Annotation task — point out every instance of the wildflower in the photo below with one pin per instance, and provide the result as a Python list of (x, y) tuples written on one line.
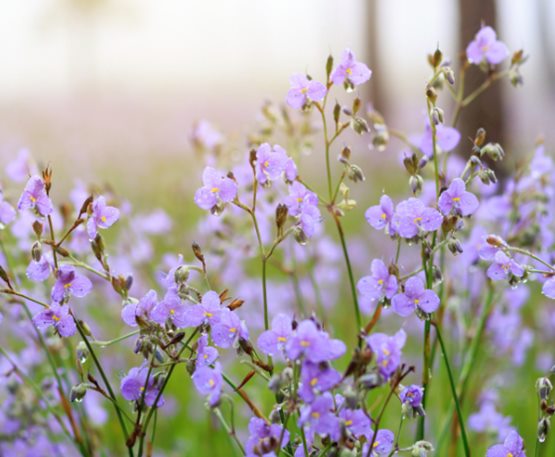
[(456, 198), (513, 446), (303, 91), (205, 136), (447, 139), (350, 71), (356, 421), (217, 189), (135, 385), (102, 216), (273, 341), (380, 216), (206, 355), (303, 204), (172, 308), (208, 382), (314, 344), (318, 418), (271, 163), (264, 438), (486, 47), (21, 167), (317, 378), (207, 312), (548, 288), (488, 419), (412, 395), (415, 296), (503, 266), (34, 196), (228, 328), (383, 444), (142, 309), (38, 270), (412, 217), (57, 316), (380, 284), (387, 350), (70, 283)]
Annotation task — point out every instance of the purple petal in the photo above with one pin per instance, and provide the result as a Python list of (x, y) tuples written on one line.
[(548, 288), (402, 305), (428, 301)]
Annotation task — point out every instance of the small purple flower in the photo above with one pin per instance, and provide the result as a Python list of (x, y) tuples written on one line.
[(271, 162), (415, 296), (264, 438), (356, 421), (141, 310), (412, 395), (447, 139), (102, 216), (503, 266), (207, 312), (486, 46), (380, 216), (457, 198), (206, 355), (489, 420), (7, 211), (57, 316), (134, 385), (205, 135), (387, 350), (513, 446), (491, 244), (228, 328), (548, 288), (208, 382), (38, 271), (378, 285), (172, 308), (317, 378), (70, 283), (318, 418), (217, 189), (383, 444), (314, 344), (303, 91), (413, 217), (350, 71), (19, 169), (273, 341), (303, 204), (34, 197)]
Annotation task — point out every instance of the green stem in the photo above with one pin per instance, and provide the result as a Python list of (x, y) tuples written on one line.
[(229, 430)]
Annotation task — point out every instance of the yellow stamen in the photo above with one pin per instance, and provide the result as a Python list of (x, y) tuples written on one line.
[(417, 219), (315, 415), (67, 286), (172, 311), (416, 301), (211, 382), (305, 343), (349, 422), (33, 199), (456, 199), (313, 381), (383, 216), (207, 314), (376, 444), (380, 281), (304, 90), (349, 71), (232, 330), (55, 318), (142, 388), (266, 164), (281, 339), (103, 218), (386, 351), (215, 189)]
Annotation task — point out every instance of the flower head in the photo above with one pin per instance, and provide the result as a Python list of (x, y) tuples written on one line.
[(380, 216), (135, 385), (415, 296), (412, 395), (172, 308), (70, 283), (142, 309), (383, 444), (313, 344), (34, 196), (206, 355), (513, 446), (303, 204), (486, 47), (350, 71), (380, 284), (503, 266), (217, 189), (57, 316), (208, 382), (273, 341), (228, 328), (412, 217), (271, 163), (447, 139), (303, 91), (102, 216), (264, 438), (318, 418), (456, 198), (317, 378), (387, 350)]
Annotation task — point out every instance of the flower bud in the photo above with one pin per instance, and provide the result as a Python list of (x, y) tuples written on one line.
[(370, 380), (329, 65), (493, 150), (449, 75), (36, 251), (544, 425), (437, 115), (345, 155), (480, 137), (455, 246), (37, 228), (336, 112), (431, 94), (300, 236), (355, 173), (411, 163), (82, 352), (78, 392), (421, 449), (359, 125), (181, 274), (381, 137), (416, 182), (544, 388)]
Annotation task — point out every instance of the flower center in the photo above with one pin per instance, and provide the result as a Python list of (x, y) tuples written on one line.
[(376, 444), (386, 352), (417, 220), (281, 339), (142, 388), (211, 382), (349, 422), (304, 90), (305, 343), (380, 282), (207, 314), (383, 216), (416, 301), (103, 218), (349, 71), (299, 199), (33, 199), (214, 190), (172, 311), (316, 415), (55, 318), (233, 330), (266, 164), (313, 381), (67, 286)]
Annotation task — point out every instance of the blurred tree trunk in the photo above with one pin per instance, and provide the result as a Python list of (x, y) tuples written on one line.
[(488, 109)]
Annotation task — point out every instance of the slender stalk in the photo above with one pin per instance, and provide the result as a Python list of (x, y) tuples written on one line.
[(230, 431)]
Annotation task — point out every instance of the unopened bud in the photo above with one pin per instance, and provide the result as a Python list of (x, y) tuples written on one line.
[(431, 94), (181, 274), (345, 155), (336, 112), (437, 115), (455, 246), (480, 137), (355, 173), (359, 125), (36, 251), (82, 352), (544, 425), (281, 217), (300, 236), (370, 380), (544, 388), (493, 150), (421, 449), (416, 182), (449, 75), (78, 392)]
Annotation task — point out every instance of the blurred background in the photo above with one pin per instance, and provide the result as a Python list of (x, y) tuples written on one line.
[(96, 84)]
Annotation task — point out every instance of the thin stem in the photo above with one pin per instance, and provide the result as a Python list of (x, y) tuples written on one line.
[(104, 344), (229, 430), (53, 239)]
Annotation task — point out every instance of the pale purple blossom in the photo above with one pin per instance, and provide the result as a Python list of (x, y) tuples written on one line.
[(456, 198), (34, 196), (513, 446), (208, 382), (380, 284), (415, 295), (70, 283), (102, 216), (216, 189), (486, 47), (380, 216), (503, 266), (57, 316), (387, 350), (413, 218), (303, 91), (350, 71)]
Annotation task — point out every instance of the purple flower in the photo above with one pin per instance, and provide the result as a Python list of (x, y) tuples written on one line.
[(38, 271), (457, 198), (314, 344), (21, 167), (350, 71), (412, 395), (503, 266), (378, 285), (102, 216), (34, 197), (413, 217), (206, 355), (415, 295), (318, 418), (205, 135), (488, 419), (387, 350), (208, 382), (217, 189), (70, 283), (548, 288), (207, 312), (271, 162), (486, 46), (273, 341), (317, 378), (380, 216), (228, 328), (303, 91), (135, 384), (303, 204), (513, 446), (264, 437), (356, 421), (447, 139), (141, 310), (57, 316), (383, 444), (7, 211), (172, 308)]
